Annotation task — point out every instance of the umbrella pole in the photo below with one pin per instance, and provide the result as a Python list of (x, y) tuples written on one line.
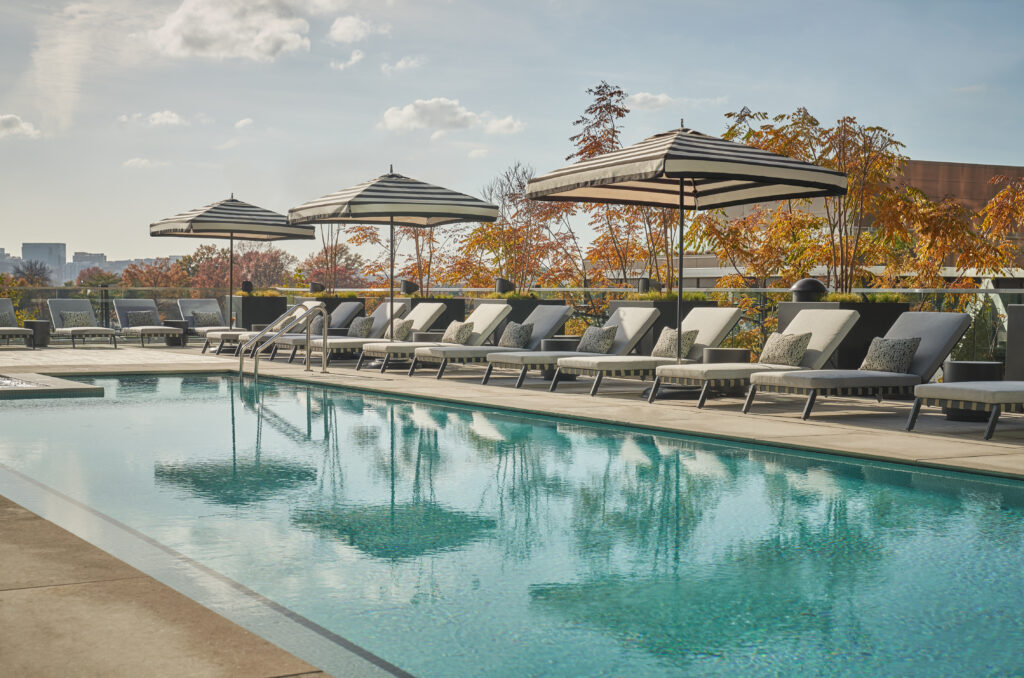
[(391, 280), (231, 281), (679, 269)]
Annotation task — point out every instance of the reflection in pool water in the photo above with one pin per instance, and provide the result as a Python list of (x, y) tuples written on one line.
[(458, 542)]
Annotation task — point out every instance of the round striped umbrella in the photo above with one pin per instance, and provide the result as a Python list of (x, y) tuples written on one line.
[(394, 199), (687, 170), (231, 219)]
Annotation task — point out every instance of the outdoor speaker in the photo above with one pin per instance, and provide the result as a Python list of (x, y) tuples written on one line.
[(502, 286), (643, 285), (247, 286), (315, 287), (808, 289), (409, 287)]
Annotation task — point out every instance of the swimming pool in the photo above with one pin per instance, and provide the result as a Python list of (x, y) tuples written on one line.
[(460, 542)]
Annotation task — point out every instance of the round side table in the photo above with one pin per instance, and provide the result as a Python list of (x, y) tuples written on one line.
[(969, 370), (40, 333), (559, 344), (177, 340), (726, 355)]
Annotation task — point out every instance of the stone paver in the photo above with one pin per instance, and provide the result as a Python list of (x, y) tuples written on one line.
[(69, 609)]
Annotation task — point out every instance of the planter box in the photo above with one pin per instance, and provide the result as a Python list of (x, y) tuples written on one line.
[(1014, 340), (875, 320), (455, 309), (666, 317), (251, 311), (520, 309)]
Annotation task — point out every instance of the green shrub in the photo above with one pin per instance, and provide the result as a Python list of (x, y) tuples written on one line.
[(665, 296), (843, 296)]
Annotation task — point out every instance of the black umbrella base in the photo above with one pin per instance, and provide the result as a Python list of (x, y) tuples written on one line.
[(673, 393)]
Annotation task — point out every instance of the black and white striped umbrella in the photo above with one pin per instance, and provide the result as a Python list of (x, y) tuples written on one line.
[(234, 220), (686, 170), (395, 200)]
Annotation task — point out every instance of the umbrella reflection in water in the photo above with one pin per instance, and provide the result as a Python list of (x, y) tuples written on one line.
[(399, 530)]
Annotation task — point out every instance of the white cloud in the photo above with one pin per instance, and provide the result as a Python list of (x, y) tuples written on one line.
[(157, 119), (142, 163), (645, 101), (232, 29), (227, 145), (506, 125), (404, 64), (478, 153), (349, 29), (357, 56), (438, 113), (443, 115), (13, 126), (83, 40), (243, 123)]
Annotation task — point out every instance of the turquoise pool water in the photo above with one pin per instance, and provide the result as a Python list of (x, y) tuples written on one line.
[(454, 542)]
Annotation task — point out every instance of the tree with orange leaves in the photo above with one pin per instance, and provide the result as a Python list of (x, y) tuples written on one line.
[(161, 273), (431, 252)]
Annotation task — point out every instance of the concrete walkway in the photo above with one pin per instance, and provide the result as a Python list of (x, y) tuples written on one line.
[(69, 609)]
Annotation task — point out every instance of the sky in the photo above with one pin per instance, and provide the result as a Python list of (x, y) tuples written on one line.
[(117, 113)]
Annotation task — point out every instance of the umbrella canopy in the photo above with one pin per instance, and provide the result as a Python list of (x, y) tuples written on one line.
[(394, 199), (717, 173), (231, 219), (687, 170)]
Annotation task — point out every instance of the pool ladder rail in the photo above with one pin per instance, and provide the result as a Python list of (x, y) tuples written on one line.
[(258, 348)]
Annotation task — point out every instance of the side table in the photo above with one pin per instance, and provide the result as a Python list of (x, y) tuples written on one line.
[(40, 333), (726, 355), (559, 344), (970, 370), (177, 340), (431, 335)]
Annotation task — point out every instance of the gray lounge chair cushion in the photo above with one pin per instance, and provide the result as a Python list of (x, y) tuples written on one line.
[(72, 319), (7, 319), (538, 358), (207, 319), (598, 339), (516, 335), (988, 392), (712, 371), (713, 325), (486, 318), (546, 320), (785, 349), (440, 352), (360, 327), (457, 332), (343, 314), (824, 379), (141, 319), (616, 363), (828, 328), (939, 333), (666, 345)]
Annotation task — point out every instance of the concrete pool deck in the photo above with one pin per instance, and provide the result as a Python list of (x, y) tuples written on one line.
[(94, 600)]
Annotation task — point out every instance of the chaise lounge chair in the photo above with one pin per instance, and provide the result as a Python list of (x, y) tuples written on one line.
[(938, 332), (828, 328), (485, 319), (632, 323), (994, 397), (74, 318), (545, 319), (348, 347), (239, 337), (203, 316), (338, 319), (9, 324), (140, 318), (712, 326)]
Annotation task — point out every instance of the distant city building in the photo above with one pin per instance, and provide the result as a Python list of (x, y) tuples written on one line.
[(83, 260), (53, 254), (8, 261)]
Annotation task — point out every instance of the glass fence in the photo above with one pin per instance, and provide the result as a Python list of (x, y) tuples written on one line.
[(763, 307)]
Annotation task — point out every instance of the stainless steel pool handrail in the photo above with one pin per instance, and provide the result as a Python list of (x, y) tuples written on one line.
[(319, 308)]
